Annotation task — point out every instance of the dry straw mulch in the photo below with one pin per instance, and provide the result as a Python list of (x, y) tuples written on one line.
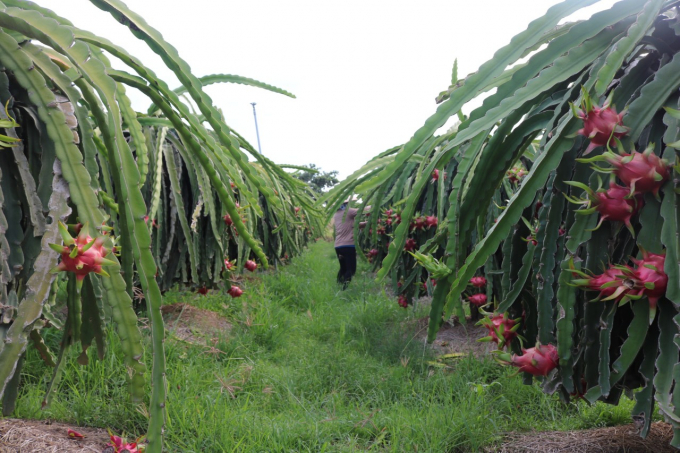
[(33, 436), (614, 439)]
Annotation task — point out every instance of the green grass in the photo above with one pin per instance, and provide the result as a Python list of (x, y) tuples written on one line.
[(308, 367)]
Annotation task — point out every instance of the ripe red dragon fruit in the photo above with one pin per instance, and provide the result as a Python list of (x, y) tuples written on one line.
[(227, 220), (478, 282), (642, 172), (380, 230), (650, 279), (539, 360), (435, 175), (410, 245), (477, 299), (229, 265), (372, 254), (120, 446), (516, 173), (613, 284), (502, 329), (250, 265), (235, 291), (388, 212), (431, 221), (418, 223), (402, 301), (614, 204), (82, 254), (388, 221), (202, 290), (601, 126)]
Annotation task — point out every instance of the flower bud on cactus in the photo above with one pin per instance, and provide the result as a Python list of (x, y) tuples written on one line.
[(601, 125), (436, 268), (81, 255), (538, 361), (250, 265), (478, 282), (235, 291), (477, 300)]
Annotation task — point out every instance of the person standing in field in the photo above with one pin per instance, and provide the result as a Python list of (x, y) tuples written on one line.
[(344, 242)]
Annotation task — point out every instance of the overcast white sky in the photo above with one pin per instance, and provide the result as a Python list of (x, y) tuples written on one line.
[(365, 72)]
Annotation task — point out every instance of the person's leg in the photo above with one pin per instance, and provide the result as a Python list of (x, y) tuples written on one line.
[(351, 263), (342, 261)]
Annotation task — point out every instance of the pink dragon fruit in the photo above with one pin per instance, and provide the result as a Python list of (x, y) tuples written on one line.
[(235, 292), (81, 255), (410, 245), (227, 220), (402, 301), (229, 265), (250, 265), (612, 284), (642, 172), (477, 299), (502, 329), (431, 221), (121, 446), (418, 223), (516, 174), (614, 204), (478, 282), (651, 279), (601, 125), (538, 361)]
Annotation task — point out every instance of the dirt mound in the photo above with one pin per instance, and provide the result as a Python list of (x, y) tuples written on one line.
[(614, 439), (194, 325), (29, 436), (456, 338)]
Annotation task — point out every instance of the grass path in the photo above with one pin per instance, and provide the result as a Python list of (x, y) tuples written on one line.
[(307, 367)]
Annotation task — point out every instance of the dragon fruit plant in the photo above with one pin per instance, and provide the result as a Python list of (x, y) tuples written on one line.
[(177, 189), (580, 100)]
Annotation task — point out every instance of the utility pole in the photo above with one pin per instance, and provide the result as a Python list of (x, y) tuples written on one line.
[(257, 131)]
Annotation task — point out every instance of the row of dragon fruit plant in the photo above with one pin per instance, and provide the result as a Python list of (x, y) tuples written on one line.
[(580, 255), (128, 204)]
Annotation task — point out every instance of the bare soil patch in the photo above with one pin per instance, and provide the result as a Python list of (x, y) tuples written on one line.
[(29, 436), (613, 439), (455, 338), (194, 325)]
